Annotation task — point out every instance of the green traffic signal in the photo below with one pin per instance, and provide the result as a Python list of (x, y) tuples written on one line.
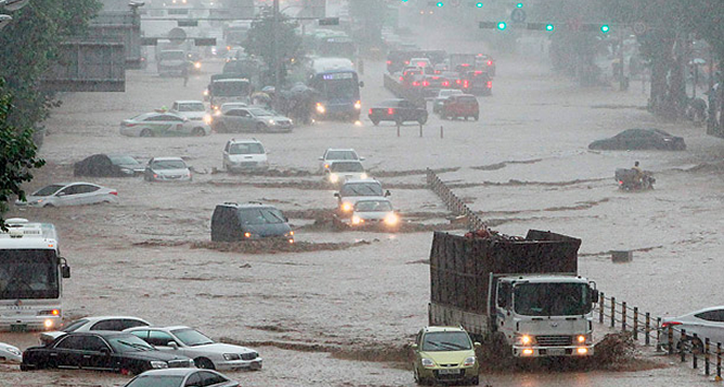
[(439, 4), (549, 27), (519, 5), (502, 26), (605, 28), (479, 4)]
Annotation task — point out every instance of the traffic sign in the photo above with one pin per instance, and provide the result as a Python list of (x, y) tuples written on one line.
[(518, 15)]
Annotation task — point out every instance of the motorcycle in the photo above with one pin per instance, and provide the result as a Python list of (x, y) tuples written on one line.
[(630, 180)]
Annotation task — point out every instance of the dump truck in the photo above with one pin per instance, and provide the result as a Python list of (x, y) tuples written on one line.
[(525, 289)]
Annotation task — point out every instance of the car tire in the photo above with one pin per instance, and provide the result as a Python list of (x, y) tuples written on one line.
[(204, 363), (475, 380), (146, 133), (198, 132), (49, 205), (375, 122), (260, 127), (476, 117)]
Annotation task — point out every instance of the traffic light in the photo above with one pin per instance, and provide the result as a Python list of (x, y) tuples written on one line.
[(605, 28), (479, 4), (502, 25), (519, 5), (550, 27), (439, 4)]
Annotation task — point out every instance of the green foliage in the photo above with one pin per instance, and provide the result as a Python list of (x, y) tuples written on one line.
[(17, 155), (260, 40), (370, 15)]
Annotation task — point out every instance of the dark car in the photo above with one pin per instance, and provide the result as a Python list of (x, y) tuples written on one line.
[(634, 139), (101, 351), (181, 377), (477, 83), (398, 111), (232, 222), (111, 165), (463, 106)]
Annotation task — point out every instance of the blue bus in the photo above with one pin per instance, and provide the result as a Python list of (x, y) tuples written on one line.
[(337, 86)]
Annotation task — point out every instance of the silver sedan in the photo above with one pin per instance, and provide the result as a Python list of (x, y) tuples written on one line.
[(251, 119), (181, 377), (706, 323), (69, 194), (163, 125)]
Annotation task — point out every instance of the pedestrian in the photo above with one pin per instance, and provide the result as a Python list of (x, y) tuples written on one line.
[(185, 73)]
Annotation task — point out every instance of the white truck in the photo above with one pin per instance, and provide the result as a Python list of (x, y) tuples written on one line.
[(31, 277), (526, 290)]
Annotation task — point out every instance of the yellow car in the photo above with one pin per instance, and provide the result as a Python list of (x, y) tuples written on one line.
[(445, 354)]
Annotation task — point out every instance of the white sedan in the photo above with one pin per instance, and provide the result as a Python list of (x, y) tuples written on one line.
[(706, 323), (96, 323), (163, 125), (10, 353), (69, 194), (194, 344)]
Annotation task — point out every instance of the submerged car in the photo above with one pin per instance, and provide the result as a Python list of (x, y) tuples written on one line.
[(167, 169), (355, 190), (181, 377), (251, 119), (341, 171), (637, 139), (374, 212), (10, 353), (69, 194), (194, 344), (108, 165), (706, 323), (233, 222), (101, 351), (245, 155), (163, 125), (192, 110), (338, 154), (442, 95), (398, 111), (95, 323), (445, 354)]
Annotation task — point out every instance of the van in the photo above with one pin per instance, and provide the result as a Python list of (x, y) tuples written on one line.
[(233, 222)]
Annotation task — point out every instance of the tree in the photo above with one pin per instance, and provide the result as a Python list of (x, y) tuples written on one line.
[(708, 22), (369, 15), (260, 41), (17, 155)]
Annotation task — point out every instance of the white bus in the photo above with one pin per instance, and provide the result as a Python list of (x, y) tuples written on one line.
[(31, 277)]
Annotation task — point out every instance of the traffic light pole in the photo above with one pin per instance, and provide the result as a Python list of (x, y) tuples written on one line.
[(275, 51)]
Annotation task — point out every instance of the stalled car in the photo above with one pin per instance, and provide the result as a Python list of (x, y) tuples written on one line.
[(101, 351), (460, 106), (637, 139), (707, 323), (342, 171), (163, 125), (192, 110), (108, 165), (398, 111), (95, 323), (251, 119), (69, 194), (355, 190), (10, 353), (167, 169), (195, 345), (374, 212), (181, 377), (445, 354), (233, 222), (245, 155), (442, 95), (338, 154)]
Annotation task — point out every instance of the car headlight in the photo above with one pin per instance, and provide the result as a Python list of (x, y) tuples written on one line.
[(469, 362), (14, 351), (206, 93), (208, 119), (346, 207), (357, 220), (158, 364), (320, 108), (249, 235), (271, 122), (583, 339), (333, 177), (358, 105), (232, 356), (197, 65), (427, 362), (363, 176), (391, 219)]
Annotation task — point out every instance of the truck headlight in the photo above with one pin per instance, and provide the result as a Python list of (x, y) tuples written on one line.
[(333, 178), (358, 105), (197, 65), (346, 207), (427, 362), (159, 364), (469, 362), (357, 220), (525, 340), (391, 219), (320, 108)]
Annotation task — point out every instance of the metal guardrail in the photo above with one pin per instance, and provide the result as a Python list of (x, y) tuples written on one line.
[(453, 202), (621, 316)]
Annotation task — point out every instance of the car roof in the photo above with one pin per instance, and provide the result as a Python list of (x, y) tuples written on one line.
[(187, 101), (344, 161), (245, 205), (709, 309), (362, 181), (443, 329), (341, 150), (245, 141), (99, 333), (167, 159), (168, 328), (374, 199), (100, 318), (173, 371)]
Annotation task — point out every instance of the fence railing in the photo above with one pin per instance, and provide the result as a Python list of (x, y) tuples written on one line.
[(453, 202), (668, 337)]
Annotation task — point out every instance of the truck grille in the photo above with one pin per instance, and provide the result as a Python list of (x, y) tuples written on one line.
[(554, 341)]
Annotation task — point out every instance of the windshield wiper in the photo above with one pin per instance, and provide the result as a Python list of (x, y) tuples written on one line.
[(449, 344)]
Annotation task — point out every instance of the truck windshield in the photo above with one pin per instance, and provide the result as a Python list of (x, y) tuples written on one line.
[(230, 88), (28, 274), (446, 341), (552, 299)]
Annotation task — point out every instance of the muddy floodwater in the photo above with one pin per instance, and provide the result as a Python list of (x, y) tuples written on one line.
[(338, 312)]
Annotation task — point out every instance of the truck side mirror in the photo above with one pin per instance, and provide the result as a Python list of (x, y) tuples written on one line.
[(413, 346), (594, 296), (361, 83), (477, 345), (336, 195), (388, 193), (65, 271)]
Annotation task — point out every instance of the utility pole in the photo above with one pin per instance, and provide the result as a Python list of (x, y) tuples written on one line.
[(276, 51)]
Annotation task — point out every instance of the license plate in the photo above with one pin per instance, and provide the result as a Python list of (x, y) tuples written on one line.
[(18, 327), (454, 371), (556, 352)]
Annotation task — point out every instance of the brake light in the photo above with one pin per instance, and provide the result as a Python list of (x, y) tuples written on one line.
[(390, 111), (478, 72), (370, 111), (490, 84), (416, 83), (437, 71), (421, 64), (425, 83), (389, 62), (402, 79), (667, 324), (465, 84), (407, 62), (435, 78), (446, 83), (465, 65), (458, 81), (114, 193), (490, 63)]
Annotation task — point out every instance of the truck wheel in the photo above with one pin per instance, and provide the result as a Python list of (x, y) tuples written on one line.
[(476, 117)]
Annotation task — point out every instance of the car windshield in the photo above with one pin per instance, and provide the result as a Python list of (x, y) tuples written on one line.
[(552, 299), (261, 216), (72, 327), (129, 343), (168, 164), (361, 189), (347, 167), (248, 148), (260, 112), (373, 206), (191, 107), (156, 381), (446, 341), (48, 190), (123, 160), (192, 337), (341, 155)]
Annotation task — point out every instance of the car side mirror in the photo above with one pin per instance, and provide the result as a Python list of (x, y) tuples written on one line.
[(361, 83), (321, 158), (172, 344), (477, 345), (361, 159), (60, 194), (388, 193), (336, 195), (413, 346), (65, 271)]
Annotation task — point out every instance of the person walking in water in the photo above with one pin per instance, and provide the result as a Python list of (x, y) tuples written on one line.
[(185, 73)]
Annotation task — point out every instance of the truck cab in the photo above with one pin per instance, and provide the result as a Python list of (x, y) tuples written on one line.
[(545, 315)]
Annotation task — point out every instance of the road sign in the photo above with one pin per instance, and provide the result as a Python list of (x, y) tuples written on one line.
[(518, 15), (177, 35), (639, 28)]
